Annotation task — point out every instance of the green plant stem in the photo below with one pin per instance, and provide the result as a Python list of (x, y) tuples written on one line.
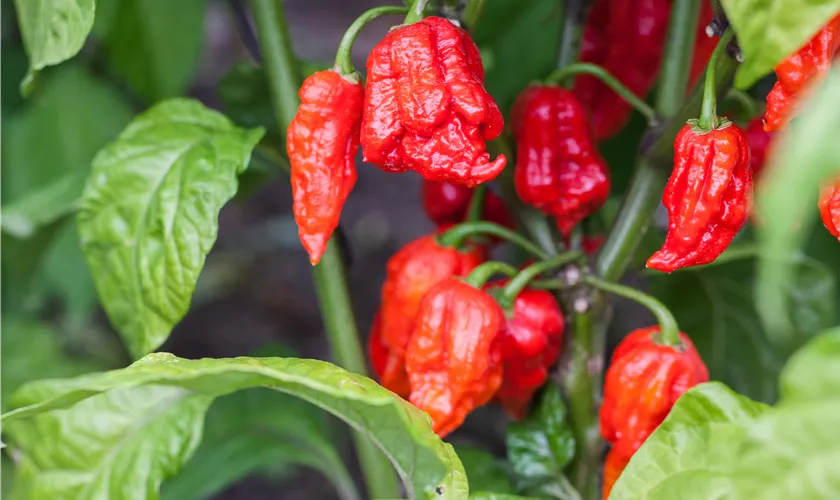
[(667, 323), (476, 206), (521, 280), (416, 12), (472, 12), (681, 34), (558, 75), (572, 29), (343, 58), (708, 113), (482, 274), (329, 276), (456, 236)]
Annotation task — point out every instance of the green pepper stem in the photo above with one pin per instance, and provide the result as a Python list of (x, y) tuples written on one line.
[(515, 286), (667, 323), (456, 236), (416, 12), (343, 58), (682, 31), (708, 113), (609, 80), (476, 206), (482, 274)]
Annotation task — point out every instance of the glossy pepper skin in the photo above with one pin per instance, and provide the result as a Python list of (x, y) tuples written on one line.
[(708, 196), (829, 204), (644, 380), (533, 336), (759, 142), (558, 167), (426, 108), (808, 66), (626, 38), (410, 273), (446, 203), (389, 366), (454, 356), (322, 141)]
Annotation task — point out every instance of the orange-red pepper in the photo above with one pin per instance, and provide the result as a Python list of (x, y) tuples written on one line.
[(388, 365), (426, 108), (322, 141), (829, 204), (446, 204), (453, 359), (806, 67), (613, 466)]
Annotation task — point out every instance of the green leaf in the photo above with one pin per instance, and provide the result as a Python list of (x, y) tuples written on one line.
[(52, 31), (715, 306), (813, 373), (149, 213), (804, 157), (117, 445), (154, 44), (540, 446), (686, 457), (42, 207), (424, 462), (485, 471), (507, 36), (770, 30), (259, 431), (486, 495)]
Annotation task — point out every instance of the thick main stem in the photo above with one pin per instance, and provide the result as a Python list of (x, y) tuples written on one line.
[(329, 276), (680, 48)]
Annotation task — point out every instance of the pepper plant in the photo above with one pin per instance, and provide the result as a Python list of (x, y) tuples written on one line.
[(548, 134)]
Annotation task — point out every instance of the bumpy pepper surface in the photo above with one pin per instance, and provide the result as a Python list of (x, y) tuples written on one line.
[(446, 203), (626, 38), (830, 207), (708, 196), (454, 356), (410, 273), (531, 344), (322, 141), (426, 108), (558, 167), (389, 366), (806, 67), (644, 380)]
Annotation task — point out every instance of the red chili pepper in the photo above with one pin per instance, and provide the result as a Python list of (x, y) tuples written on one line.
[(387, 365), (759, 142), (558, 167), (410, 273), (454, 356), (704, 45), (708, 196), (426, 108), (531, 344), (808, 66), (830, 207), (446, 203), (626, 38), (644, 380), (322, 141), (613, 466), (592, 243)]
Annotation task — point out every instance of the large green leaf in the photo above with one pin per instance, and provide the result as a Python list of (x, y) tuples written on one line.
[(53, 30), (813, 372), (714, 305), (540, 446), (485, 472), (428, 467), (770, 30), (519, 43), (686, 456), (154, 44), (149, 213), (807, 155)]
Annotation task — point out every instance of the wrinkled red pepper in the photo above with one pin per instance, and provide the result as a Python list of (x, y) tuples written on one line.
[(322, 141), (708, 196), (644, 380), (759, 142), (808, 66), (388, 365), (558, 167), (613, 467), (829, 204), (410, 273), (531, 344), (426, 108), (446, 203), (453, 359)]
